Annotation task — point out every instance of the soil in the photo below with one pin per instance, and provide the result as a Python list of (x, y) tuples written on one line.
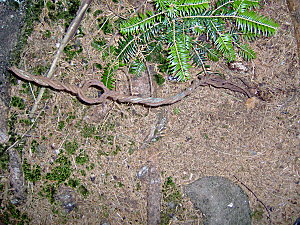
[(210, 133)]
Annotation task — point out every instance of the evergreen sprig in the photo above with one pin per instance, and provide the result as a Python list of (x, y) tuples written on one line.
[(195, 31)]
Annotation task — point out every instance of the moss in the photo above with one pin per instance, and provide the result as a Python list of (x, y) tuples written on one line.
[(59, 173), (11, 122), (14, 211), (13, 137), (62, 10), (83, 190), (105, 211), (91, 167), (82, 172), (98, 66), (103, 153), (14, 5), (62, 172), (73, 183), (26, 122), (119, 184), (109, 140), (176, 111), (40, 70), (82, 158), (105, 25), (17, 102), (88, 130), (257, 214), (47, 34), (98, 137), (12, 215), (26, 89), (97, 12), (98, 43), (138, 186), (72, 50), (71, 117), (50, 5), (31, 173), (159, 79), (63, 160), (48, 191), (61, 125), (71, 147), (34, 145), (205, 136), (117, 150), (171, 191), (172, 199)]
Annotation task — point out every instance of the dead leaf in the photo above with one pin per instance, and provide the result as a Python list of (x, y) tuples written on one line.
[(251, 102)]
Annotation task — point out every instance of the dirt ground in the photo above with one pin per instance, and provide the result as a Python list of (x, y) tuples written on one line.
[(209, 133)]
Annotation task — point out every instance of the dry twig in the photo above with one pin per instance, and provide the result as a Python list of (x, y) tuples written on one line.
[(261, 202)]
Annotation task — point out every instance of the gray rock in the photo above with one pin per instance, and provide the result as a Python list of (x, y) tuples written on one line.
[(297, 222), (220, 200), (66, 197), (105, 223)]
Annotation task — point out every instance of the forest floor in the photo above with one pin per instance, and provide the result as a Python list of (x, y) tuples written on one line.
[(209, 133)]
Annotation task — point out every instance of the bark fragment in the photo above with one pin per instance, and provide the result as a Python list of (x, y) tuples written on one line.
[(16, 177)]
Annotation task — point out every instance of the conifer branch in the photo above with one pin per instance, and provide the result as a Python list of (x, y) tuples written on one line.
[(176, 24)]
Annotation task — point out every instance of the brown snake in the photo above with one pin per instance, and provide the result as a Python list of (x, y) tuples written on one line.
[(214, 81)]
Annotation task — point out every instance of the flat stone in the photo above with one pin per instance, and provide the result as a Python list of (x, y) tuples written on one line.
[(66, 196), (220, 200)]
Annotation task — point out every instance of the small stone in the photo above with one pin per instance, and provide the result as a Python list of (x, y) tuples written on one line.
[(93, 177), (230, 205), (171, 205), (57, 151), (142, 172), (105, 223), (238, 66)]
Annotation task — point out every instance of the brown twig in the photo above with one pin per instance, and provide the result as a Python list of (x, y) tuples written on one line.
[(211, 80), (263, 204)]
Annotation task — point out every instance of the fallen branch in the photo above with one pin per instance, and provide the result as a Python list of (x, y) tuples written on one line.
[(16, 177), (150, 175), (211, 80)]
